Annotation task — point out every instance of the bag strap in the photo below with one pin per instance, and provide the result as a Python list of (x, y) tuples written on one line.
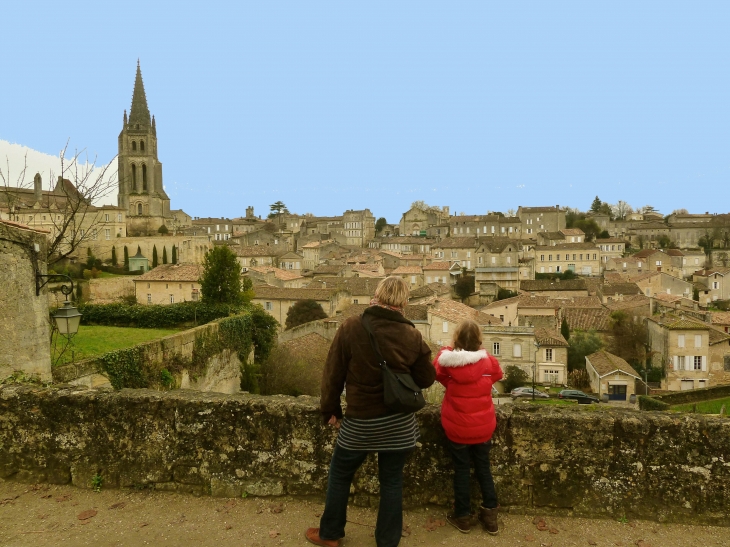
[(365, 320)]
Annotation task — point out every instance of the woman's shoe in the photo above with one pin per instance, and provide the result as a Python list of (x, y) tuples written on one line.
[(312, 535), (488, 518)]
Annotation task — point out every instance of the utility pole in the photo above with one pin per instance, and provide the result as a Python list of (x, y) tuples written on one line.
[(534, 370)]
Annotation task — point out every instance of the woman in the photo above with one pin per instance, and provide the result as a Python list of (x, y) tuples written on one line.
[(368, 425)]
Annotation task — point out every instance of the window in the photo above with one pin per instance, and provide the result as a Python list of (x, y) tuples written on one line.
[(149, 298), (167, 286), (697, 362), (494, 260), (551, 376), (355, 301), (468, 254), (144, 177), (106, 218), (141, 145), (516, 349), (134, 146), (119, 217), (445, 326), (172, 299), (268, 306), (715, 284), (107, 233), (557, 257), (148, 285), (679, 362), (680, 341), (195, 295), (495, 348), (413, 280), (727, 363), (698, 340), (139, 209), (180, 286), (509, 260), (542, 258), (550, 258), (658, 262), (549, 354)]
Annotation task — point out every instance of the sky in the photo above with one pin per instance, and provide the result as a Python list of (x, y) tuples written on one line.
[(331, 105)]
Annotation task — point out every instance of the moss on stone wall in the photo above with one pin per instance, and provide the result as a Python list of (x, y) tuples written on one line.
[(609, 463)]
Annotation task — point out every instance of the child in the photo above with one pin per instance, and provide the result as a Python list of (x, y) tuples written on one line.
[(467, 415)]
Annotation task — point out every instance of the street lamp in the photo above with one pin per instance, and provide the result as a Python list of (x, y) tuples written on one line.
[(67, 318)]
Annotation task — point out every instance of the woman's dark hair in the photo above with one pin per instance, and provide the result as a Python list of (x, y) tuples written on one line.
[(468, 336)]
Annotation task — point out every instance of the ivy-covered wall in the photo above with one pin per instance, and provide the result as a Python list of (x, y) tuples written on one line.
[(218, 356), (609, 463)]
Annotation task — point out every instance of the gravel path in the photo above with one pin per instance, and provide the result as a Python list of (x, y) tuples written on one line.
[(62, 515)]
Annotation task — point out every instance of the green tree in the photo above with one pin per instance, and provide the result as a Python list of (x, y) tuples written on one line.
[(589, 226), (464, 287), (504, 293), (174, 254), (126, 258), (164, 255), (154, 256), (596, 205), (514, 377), (628, 339), (665, 242), (221, 278), (380, 224), (304, 311), (277, 209), (163, 230), (139, 250), (582, 343), (114, 255), (565, 329)]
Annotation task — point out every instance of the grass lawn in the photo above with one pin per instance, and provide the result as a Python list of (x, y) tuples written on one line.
[(550, 401), (705, 407), (95, 340)]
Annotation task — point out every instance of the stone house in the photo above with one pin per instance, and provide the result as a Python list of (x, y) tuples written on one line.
[(316, 252), (540, 219), (407, 245), (443, 315), (629, 265), (653, 283), (610, 374), (325, 226), (497, 265), (180, 220), (168, 284), (457, 250), (682, 347), (359, 227), (416, 220), (258, 255), (474, 225), (292, 262), (217, 229), (24, 329), (714, 285), (646, 234), (611, 248), (720, 320), (685, 263), (327, 270), (657, 260), (367, 270), (249, 223), (581, 258), (277, 301), (412, 275), (437, 272), (276, 277), (615, 290), (566, 235), (428, 292), (361, 289)]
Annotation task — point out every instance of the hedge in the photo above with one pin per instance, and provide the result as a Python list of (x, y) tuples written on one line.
[(156, 316), (649, 403)]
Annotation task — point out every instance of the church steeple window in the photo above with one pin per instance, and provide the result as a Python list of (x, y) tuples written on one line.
[(134, 178), (144, 177), (134, 145), (141, 145), (139, 209)]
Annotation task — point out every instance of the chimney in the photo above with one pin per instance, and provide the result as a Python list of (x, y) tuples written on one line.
[(38, 187)]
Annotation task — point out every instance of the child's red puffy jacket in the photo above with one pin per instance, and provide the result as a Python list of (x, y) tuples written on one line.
[(467, 412)]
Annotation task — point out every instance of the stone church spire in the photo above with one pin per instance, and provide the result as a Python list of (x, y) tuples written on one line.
[(140, 113)]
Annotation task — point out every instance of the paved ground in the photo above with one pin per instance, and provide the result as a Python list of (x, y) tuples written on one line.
[(61, 515)]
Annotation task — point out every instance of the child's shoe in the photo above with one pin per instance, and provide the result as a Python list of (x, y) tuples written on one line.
[(488, 518), (462, 524)]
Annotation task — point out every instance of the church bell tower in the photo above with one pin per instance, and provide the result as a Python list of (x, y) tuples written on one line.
[(141, 192)]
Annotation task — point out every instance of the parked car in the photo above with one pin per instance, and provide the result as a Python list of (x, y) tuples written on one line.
[(527, 392), (582, 398)]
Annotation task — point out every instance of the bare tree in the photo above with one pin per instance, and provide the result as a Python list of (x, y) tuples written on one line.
[(621, 209), (680, 212), (73, 217)]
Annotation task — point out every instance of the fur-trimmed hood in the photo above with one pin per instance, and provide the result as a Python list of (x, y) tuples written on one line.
[(460, 358)]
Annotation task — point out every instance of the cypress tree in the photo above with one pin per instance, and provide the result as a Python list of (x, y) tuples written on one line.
[(139, 251), (174, 254), (164, 255), (565, 329), (154, 256), (126, 258), (114, 255)]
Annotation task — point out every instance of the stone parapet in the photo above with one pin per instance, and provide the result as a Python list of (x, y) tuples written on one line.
[(572, 461)]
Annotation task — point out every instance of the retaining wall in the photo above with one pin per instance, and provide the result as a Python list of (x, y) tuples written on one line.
[(605, 462)]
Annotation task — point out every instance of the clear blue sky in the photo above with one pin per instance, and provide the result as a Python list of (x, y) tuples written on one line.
[(334, 105)]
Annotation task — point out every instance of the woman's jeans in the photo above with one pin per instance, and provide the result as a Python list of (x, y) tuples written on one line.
[(390, 513), (461, 454)]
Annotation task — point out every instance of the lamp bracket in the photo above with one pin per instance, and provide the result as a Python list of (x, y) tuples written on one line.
[(40, 283)]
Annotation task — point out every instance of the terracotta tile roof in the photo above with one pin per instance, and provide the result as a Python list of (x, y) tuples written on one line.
[(366, 267), (720, 317), (391, 253), (552, 235), (619, 288), (356, 286), (645, 253), (573, 232), (674, 322), (284, 275), (549, 337), (628, 303), (279, 293), (431, 289), (437, 266), (496, 244), (173, 272), (539, 209), (586, 246), (328, 269), (600, 240), (457, 243), (315, 244), (664, 297), (259, 250), (588, 319), (550, 285), (24, 226), (408, 270), (311, 348), (455, 312), (606, 363), (716, 335), (535, 301), (579, 302), (416, 312)]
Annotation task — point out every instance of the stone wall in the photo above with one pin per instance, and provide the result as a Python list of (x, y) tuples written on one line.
[(110, 289), (190, 249), (221, 372), (24, 320), (600, 463)]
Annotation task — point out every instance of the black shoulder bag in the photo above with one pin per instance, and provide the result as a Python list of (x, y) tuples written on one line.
[(400, 391)]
